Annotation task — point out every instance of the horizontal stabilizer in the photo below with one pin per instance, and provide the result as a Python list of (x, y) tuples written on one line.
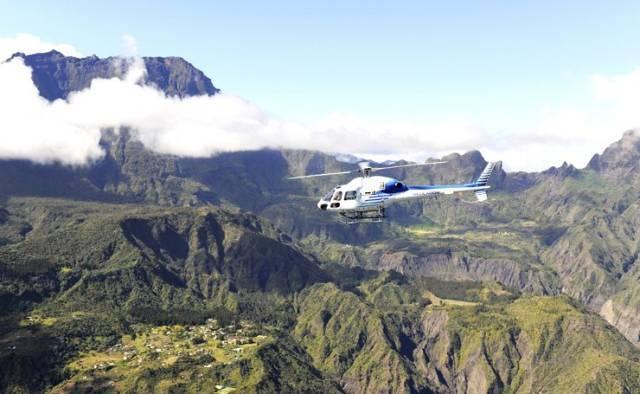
[(481, 195)]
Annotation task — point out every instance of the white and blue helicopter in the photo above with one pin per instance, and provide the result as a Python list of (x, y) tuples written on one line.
[(365, 198)]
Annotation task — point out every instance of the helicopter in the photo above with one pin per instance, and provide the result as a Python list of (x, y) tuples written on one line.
[(365, 198)]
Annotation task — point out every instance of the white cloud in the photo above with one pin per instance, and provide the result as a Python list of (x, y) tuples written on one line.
[(620, 94), (69, 131), (28, 44), (32, 128), (129, 45)]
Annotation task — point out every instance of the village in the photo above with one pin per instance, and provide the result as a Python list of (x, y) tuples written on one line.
[(202, 346)]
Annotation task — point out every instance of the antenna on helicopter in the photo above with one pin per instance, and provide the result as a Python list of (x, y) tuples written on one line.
[(365, 169)]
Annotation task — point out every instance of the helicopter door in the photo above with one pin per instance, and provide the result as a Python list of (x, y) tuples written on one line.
[(350, 195), (335, 201)]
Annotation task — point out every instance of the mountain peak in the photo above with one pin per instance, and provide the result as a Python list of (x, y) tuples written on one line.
[(473, 157), (565, 170), (622, 155), (52, 55), (56, 75)]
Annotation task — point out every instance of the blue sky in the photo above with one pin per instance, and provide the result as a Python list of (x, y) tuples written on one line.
[(481, 59), (493, 63)]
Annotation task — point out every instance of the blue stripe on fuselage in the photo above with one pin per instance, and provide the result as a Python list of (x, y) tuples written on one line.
[(378, 196), (438, 187)]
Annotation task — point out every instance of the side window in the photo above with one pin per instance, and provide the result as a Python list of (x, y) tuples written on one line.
[(337, 196), (350, 195)]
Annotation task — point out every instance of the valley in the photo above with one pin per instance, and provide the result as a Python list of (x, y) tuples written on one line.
[(152, 272)]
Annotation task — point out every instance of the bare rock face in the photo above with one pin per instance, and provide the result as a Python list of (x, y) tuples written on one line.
[(626, 318), (524, 347), (396, 344), (56, 75), (457, 267), (622, 309), (620, 158)]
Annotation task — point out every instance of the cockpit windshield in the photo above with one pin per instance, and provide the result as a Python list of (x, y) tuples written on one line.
[(327, 197)]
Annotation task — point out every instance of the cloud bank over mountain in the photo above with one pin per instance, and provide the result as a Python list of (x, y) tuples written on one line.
[(69, 131), (27, 44)]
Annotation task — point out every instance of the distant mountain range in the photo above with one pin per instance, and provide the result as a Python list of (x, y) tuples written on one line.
[(536, 290)]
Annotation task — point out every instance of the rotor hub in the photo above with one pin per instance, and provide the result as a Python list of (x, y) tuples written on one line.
[(365, 168)]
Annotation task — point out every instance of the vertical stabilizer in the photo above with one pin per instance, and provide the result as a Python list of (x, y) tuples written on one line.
[(483, 179)]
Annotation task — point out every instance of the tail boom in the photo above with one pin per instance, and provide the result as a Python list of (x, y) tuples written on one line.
[(479, 187)]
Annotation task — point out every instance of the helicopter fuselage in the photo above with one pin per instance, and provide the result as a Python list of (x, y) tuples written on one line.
[(376, 192)]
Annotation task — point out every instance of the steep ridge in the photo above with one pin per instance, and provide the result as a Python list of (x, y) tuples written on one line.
[(76, 276), (56, 75), (117, 256), (620, 159), (382, 338), (529, 345), (591, 201), (348, 339), (142, 238)]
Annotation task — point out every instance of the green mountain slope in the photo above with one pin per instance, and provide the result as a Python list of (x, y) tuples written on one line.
[(86, 276), (140, 250), (119, 256), (386, 339)]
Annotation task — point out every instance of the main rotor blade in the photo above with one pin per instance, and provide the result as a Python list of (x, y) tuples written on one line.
[(325, 174), (407, 165), (361, 169)]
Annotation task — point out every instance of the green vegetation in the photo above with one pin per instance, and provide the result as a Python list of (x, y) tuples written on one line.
[(125, 296), (533, 344), (527, 344), (163, 358), (110, 285)]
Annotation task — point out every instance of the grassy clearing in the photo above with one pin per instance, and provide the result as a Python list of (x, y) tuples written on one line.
[(38, 320), (506, 237), (435, 300)]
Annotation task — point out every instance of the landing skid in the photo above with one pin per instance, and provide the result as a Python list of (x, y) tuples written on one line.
[(353, 217)]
